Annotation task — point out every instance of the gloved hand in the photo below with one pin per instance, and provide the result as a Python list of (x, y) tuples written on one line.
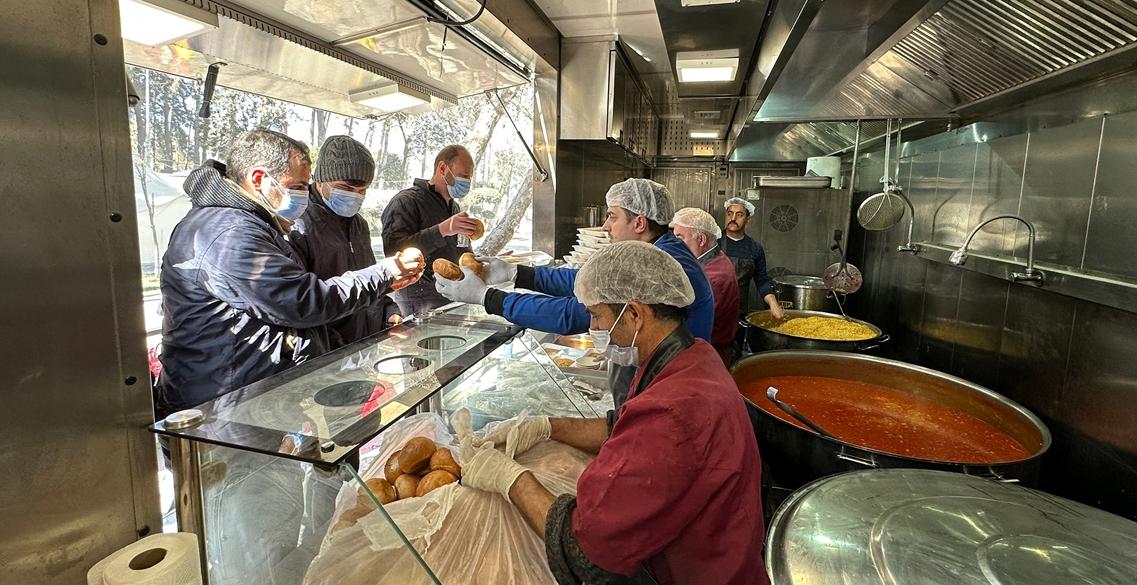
[(498, 271), (521, 434), (488, 469), (470, 289)]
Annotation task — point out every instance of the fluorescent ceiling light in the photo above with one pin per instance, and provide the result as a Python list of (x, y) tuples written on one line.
[(390, 98), (161, 22), (705, 134), (705, 66), (686, 3)]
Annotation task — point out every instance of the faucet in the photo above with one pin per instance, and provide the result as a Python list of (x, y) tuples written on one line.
[(908, 246), (959, 256)]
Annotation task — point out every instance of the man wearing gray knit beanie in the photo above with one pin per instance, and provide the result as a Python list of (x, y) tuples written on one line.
[(332, 238)]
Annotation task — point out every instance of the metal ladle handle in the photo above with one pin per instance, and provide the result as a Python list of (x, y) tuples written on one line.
[(772, 394)]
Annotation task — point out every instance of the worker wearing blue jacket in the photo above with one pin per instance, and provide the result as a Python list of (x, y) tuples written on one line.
[(638, 209)]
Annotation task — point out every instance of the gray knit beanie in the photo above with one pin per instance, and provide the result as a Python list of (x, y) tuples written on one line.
[(342, 158)]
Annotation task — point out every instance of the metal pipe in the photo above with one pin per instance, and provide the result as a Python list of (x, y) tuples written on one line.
[(186, 467), (958, 257), (856, 152)]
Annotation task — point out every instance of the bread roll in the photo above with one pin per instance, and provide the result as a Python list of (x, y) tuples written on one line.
[(406, 486), (382, 489), (434, 480), (447, 269), (479, 229), (443, 460), (415, 456), (468, 260), (391, 470)]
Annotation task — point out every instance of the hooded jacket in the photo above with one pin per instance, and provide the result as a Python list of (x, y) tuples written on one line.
[(330, 245), (238, 304)]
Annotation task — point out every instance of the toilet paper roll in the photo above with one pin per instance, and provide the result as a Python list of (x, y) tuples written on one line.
[(159, 559)]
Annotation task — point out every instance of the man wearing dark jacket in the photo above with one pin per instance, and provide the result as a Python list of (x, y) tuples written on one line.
[(238, 304), (427, 216), (332, 238)]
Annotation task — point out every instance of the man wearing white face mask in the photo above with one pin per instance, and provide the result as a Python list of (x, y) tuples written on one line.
[(673, 496), (332, 238), (238, 304), (427, 216)]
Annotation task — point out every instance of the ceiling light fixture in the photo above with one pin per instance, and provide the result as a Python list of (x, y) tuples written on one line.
[(686, 3), (390, 98), (706, 66), (704, 135), (161, 22)]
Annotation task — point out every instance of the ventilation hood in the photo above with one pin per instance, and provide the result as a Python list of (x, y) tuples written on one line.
[(952, 60), (318, 52)]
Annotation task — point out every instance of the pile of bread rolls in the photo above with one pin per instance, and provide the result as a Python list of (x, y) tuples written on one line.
[(451, 271), (417, 469)]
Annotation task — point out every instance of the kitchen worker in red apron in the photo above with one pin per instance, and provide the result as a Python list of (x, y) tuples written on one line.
[(701, 234), (673, 495)]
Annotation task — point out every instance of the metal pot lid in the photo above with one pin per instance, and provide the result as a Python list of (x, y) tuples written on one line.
[(909, 526), (801, 281)]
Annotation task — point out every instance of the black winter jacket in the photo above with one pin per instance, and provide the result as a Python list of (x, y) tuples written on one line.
[(330, 245), (238, 304)]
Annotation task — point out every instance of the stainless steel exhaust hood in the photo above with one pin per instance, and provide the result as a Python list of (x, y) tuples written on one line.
[(931, 60)]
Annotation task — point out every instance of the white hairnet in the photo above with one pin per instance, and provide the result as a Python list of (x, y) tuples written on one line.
[(739, 201), (642, 197), (627, 271), (695, 218)]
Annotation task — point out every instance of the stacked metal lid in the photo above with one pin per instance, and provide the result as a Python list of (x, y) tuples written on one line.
[(921, 527)]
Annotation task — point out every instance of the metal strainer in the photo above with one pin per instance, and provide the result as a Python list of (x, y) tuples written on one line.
[(842, 277), (885, 209)]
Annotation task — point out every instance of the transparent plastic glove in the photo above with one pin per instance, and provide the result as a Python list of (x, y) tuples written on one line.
[(522, 434), (498, 271), (488, 469), (470, 289)]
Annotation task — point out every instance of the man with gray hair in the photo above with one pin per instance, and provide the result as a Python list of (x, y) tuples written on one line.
[(701, 234), (238, 304), (332, 238)]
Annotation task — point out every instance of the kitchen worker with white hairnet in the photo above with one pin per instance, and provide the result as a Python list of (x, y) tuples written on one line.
[(698, 230), (638, 210), (748, 257), (673, 495)]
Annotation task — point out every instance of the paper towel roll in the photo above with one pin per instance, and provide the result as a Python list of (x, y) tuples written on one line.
[(159, 559)]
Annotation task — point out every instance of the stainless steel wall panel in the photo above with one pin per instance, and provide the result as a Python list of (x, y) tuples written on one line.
[(79, 467), (545, 129), (1112, 239), (941, 310), (998, 186), (978, 330), (921, 189), (909, 315), (690, 186), (1056, 192), (953, 194), (1036, 341)]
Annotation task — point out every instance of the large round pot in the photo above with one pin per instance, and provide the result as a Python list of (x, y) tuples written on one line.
[(793, 456), (760, 337), (805, 293)]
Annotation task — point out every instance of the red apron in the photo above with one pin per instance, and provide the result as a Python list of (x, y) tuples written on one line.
[(677, 486), (724, 287)]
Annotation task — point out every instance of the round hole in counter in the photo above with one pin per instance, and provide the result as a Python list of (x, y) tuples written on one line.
[(401, 364), (442, 342), (351, 393)]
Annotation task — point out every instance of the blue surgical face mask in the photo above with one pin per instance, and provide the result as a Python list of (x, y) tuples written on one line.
[(345, 203), (458, 187), (293, 202)]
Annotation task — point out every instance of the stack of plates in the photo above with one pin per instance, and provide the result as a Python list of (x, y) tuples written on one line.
[(588, 241)]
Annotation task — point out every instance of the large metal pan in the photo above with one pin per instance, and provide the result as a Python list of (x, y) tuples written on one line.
[(793, 456), (760, 337)]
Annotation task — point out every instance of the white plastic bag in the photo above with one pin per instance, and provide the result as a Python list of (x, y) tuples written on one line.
[(464, 535)]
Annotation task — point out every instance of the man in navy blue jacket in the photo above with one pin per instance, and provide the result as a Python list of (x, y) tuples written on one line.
[(638, 209)]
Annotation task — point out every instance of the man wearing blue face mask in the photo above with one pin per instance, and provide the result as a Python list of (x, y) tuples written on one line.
[(238, 303), (427, 216), (332, 238)]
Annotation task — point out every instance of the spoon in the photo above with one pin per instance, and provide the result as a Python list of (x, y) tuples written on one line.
[(772, 394)]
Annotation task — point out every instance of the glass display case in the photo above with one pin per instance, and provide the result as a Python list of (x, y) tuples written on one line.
[(258, 470)]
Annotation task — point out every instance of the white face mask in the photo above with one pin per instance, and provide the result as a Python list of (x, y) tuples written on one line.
[(620, 356)]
